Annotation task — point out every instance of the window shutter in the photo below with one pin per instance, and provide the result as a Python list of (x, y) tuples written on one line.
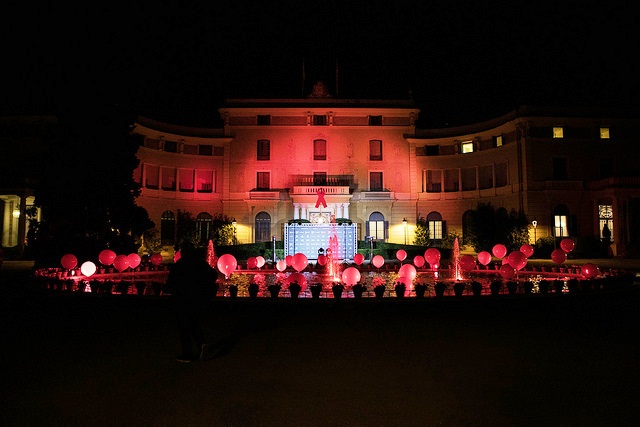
[(386, 230)]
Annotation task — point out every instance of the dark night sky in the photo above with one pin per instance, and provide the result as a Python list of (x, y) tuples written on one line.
[(460, 61)]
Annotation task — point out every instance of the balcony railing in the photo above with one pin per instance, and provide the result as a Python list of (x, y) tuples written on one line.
[(322, 180)]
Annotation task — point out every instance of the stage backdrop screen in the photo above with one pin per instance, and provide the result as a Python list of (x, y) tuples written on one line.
[(309, 238)]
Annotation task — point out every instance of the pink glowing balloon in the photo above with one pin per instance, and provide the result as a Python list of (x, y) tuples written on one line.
[(377, 261), (590, 270), (418, 261), (435, 266), (432, 256), (484, 257), (289, 260), (281, 265), (134, 260), (298, 277), (401, 254), (499, 250), (567, 244), (69, 261), (252, 262), (322, 259), (527, 250), (404, 280), (121, 263), (358, 259), (558, 256), (407, 270), (351, 276), (227, 264), (517, 260), (156, 259), (507, 271), (88, 268), (467, 263), (300, 261), (260, 260), (106, 257)]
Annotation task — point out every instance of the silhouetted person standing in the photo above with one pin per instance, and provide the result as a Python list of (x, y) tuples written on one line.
[(192, 283)]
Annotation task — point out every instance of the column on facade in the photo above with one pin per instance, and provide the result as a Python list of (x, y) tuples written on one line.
[(296, 211), (345, 211), (339, 210), (305, 209)]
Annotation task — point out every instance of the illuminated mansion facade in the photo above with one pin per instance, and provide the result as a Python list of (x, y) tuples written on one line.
[(320, 159)]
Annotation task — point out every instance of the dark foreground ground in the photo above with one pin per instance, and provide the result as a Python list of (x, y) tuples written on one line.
[(488, 361)]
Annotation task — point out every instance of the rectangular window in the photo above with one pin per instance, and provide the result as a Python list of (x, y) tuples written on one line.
[(263, 180), (204, 181), (560, 226), (185, 180), (451, 180), (434, 181), (435, 230), (190, 149), (558, 132), (375, 120), (375, 181), (604, 133), (375, 149), (169, 179), (152, 176), (605, 214), (468, 179), (485, 177), (432, 150), (171, 146), (218, 151), (205, 150), (264, 149), (376, 230), (502, 174), (466, 147), (319, 120), (559, 165), (264, 120), (497, 141), (319, 178), (319, 149)]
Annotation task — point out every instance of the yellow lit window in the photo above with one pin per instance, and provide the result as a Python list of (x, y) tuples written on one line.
[(604, 133), (558, 132), (467, 147)]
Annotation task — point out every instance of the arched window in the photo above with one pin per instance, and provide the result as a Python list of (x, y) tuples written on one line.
[(263, 227), (377, 226), (436, 226), (204, 223), (167, 228)]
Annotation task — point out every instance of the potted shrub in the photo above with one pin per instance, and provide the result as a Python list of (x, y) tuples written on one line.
[(495, 286), (294, 289), (274, 290), (458, 288), (512, 287), (420, 289), (543, 286), (400, 289), (337, 290), (233, 290), (140, 287), (358, 289), (528, 287), (476, 288), (558, 286), (316, 289), (253, 289), (379, 286), (439, 287)]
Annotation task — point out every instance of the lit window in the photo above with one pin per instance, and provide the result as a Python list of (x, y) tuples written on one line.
[(466, 147), (558, 132), (434, 222), (604, 133), (605, 214), (375, 149), (560, 226), (376, 226), (497, 141)]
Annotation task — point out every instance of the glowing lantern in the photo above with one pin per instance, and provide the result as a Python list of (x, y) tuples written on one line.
[(517, 260), (88, 268), (432, 256), (106, 257), (300, 261), (418, 261), (401, 254), (408, 271), (260, 260), (281, 265), (252, 262), (467, 263), (227, 264), (590, 270), (351, 276), (377, 261), (484, 257), (69, 261), (527, 250), (134, 260), (499, 251), (358, 259), (121, 263)]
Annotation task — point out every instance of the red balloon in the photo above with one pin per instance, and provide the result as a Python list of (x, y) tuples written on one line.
[(558, 256), (351, 276), (404, 280), (527, 250), (567, 244), (69, 261), (281, 265), (358, 259), (507, 271), (401, 254), (418, 261), (298, 277), (300, 261), (517, 260), (377, 261), (499, 251), (408, 271), (590, 270), (322, 259), (289, 260), (467, 263), (106, 257), (252, 262), (156, 259), (227, 264), (260, 261), (484, 257), (121, 263), (432, 255), (134, 260)]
